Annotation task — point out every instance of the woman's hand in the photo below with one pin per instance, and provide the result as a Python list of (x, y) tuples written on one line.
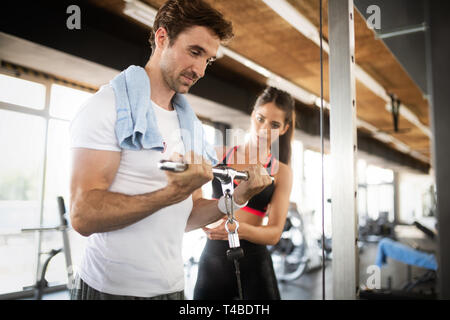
[(219, 232), (258, 180)]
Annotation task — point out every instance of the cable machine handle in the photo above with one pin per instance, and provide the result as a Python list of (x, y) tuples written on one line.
[(223, 173)]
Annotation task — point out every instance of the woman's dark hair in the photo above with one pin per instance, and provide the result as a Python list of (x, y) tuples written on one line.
[(285, 102), (178, 15)]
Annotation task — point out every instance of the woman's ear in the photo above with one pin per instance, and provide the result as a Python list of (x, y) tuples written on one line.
[(285, 129)]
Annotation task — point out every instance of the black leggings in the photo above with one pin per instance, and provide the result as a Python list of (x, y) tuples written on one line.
[(216, 279)]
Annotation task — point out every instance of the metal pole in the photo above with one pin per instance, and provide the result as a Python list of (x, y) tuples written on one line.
[(438, 68), (401, 31), (343, 140), (396, 187), (44, 174)]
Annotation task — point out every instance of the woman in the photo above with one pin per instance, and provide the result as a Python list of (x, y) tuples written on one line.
[(272, 128)]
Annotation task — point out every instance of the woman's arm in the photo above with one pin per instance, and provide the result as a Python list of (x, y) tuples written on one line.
[(277, 209)]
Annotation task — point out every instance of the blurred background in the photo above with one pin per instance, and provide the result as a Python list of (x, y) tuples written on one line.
[(48, 70)]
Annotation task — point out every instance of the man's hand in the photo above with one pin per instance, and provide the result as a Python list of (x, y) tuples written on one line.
[(258, 180), (183, 184)]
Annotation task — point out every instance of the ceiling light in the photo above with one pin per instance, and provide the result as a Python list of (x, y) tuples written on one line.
[(248, 63), (297, 20), (140, 11)]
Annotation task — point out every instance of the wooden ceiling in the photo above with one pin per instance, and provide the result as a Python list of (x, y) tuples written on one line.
[(262, 36)]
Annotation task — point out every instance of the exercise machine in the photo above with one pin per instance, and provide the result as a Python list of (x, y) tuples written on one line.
[(226, 175), (290, 254), (41, 283)]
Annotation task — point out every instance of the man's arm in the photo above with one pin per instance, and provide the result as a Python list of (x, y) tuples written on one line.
[(94, 209)]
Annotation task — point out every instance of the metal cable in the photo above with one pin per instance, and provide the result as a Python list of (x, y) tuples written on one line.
[(238, 277)]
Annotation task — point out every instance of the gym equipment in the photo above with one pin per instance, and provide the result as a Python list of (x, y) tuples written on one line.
[(422, 286), (289, 255), (226, 176), (42, 283)]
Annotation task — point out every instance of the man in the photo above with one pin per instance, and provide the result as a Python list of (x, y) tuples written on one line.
[(134, 214)]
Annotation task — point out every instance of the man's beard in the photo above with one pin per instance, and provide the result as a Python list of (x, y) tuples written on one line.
[(177, 84)]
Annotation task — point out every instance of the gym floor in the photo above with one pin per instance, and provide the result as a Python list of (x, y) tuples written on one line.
[(309, 285)]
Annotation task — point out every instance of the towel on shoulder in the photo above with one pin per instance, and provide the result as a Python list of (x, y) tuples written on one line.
[(136, 126)]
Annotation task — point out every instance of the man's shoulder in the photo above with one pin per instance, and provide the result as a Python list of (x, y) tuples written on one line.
[(104, 96), (102, 102), (94, 124)]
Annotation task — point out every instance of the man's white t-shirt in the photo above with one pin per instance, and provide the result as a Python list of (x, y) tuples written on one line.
[(143, 259)]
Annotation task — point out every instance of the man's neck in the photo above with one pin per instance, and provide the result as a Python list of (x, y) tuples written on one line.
[(161, 94)]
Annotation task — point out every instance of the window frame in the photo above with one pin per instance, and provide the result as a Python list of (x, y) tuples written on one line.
[(44, 113)]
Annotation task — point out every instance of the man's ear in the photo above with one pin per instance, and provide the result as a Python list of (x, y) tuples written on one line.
[(161, 37)]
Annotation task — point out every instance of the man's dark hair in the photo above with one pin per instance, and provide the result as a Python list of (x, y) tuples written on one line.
[(178, 15)]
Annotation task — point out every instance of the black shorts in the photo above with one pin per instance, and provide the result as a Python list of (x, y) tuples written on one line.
[(216, 279)]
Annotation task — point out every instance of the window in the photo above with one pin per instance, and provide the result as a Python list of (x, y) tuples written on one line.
[(21, 169), (22, 92), (417, 198), (375, 192), (297, 170), (362, 192), (210, 137), (57, 184), (65, 101), (313, 190), (34, 170)]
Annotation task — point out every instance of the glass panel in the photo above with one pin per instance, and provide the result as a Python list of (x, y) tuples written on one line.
[(22, 92), (22, 145), (65, 101)]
